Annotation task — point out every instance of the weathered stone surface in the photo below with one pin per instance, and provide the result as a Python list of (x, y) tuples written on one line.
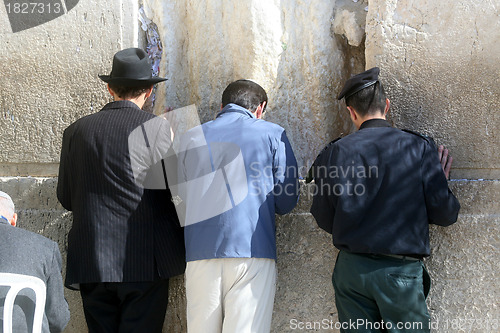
[(306, 257), (349, 20), (212, 43), (439, 62), (464, 269), (49, 79), (207, 47)]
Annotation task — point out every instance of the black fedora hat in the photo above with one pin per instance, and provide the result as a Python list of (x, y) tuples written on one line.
[(131, 67)]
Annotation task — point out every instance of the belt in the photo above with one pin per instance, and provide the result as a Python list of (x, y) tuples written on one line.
[(402, 257)]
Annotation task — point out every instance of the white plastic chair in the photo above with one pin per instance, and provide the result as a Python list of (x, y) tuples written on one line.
[(18, 282)]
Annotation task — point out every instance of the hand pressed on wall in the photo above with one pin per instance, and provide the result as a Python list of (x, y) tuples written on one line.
[(445, 159)]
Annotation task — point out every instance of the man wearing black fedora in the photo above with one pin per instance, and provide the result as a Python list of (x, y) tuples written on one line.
[(125, 241)]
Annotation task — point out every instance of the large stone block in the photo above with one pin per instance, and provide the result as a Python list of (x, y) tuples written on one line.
[(439, 63), (464, 269), (286, 46), (306, 258), (50, 79)]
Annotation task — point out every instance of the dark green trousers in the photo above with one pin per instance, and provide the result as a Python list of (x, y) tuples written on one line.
[(380, 294)]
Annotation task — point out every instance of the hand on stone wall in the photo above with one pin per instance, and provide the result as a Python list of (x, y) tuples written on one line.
[(446, 160)]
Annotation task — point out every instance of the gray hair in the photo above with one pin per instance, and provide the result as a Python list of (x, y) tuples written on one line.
[(6, 205)]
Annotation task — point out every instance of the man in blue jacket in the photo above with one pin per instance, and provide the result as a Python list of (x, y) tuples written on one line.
[(236, 172)]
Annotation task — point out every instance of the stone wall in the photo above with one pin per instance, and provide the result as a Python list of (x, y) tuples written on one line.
[(439, 64), (463, 264)]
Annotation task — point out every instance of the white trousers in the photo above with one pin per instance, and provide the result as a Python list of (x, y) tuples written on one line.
[(230, 295)]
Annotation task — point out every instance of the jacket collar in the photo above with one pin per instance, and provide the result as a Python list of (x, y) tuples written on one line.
[(3, 220), (375, 123), (121, 104), (233, 108)]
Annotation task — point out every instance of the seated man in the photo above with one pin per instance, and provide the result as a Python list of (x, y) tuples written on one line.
[(27, 253)]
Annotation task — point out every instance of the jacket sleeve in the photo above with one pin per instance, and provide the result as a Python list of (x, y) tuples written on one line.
[(322, 207), (63, 180), (286, 178), (442, 206), (149, 146), (56, 307)]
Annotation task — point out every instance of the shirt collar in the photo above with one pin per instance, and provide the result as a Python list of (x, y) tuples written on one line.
[(121, 104), (233, 108), (377, 122)]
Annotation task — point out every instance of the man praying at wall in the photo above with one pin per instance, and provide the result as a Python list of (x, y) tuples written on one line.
[(236, 172), (125, 242), (381, 226)]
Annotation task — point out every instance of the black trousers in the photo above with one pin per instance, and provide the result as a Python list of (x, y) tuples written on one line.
[(125, 307)]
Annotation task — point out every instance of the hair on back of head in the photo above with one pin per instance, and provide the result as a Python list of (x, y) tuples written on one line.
[(125, 92), (244, 93), (369, 100)]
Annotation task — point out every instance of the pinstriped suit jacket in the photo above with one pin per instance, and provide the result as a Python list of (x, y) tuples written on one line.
[(121, 232)]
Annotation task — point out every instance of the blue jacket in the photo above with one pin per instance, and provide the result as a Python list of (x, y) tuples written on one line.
[(237, 172)]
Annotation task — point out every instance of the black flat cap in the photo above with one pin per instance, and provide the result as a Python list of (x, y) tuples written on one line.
[(359, 82)]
